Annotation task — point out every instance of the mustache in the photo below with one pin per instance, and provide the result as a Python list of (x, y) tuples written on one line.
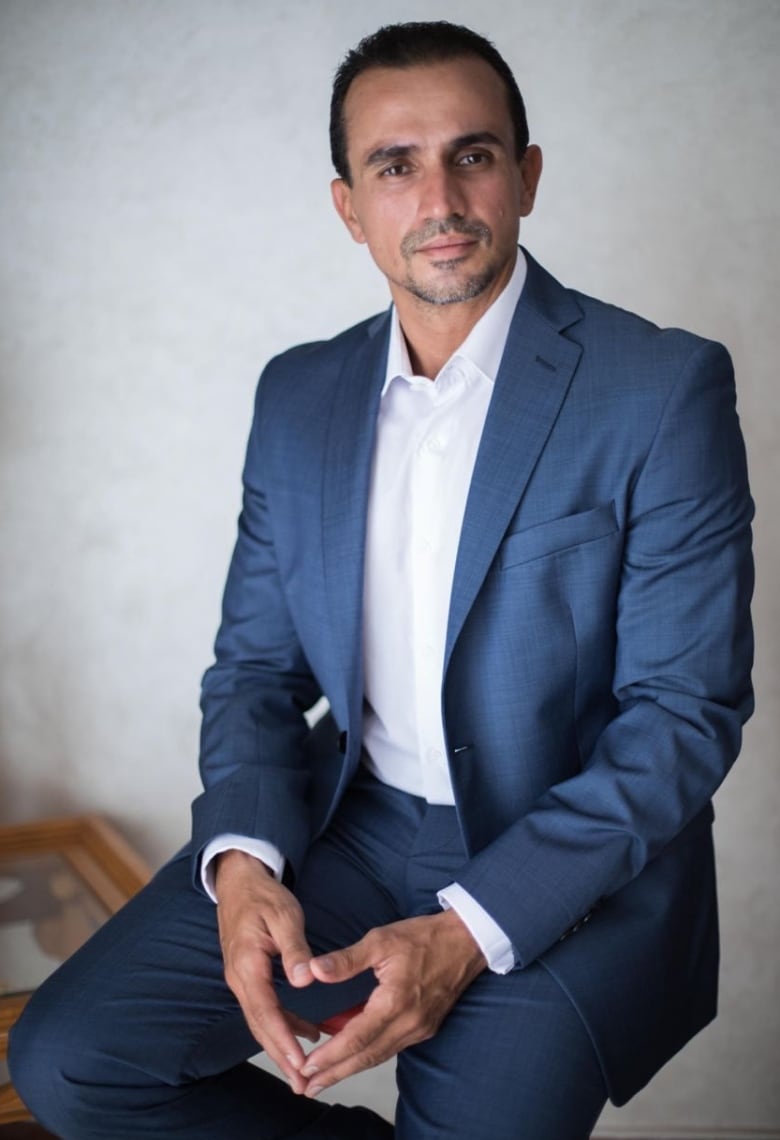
[(432, 229)]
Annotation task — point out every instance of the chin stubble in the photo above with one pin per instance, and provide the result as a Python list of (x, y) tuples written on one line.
[(462, 290)]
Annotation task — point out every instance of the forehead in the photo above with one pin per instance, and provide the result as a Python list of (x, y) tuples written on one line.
[(425, 104)]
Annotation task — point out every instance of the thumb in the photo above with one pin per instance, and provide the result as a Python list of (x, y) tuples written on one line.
[(295, 952), (338, 965)]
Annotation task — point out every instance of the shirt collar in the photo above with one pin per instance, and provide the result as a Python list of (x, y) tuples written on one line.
[(483, 347)]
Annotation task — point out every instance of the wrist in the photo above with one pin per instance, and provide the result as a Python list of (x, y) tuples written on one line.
[(234, 865), (461, 942)]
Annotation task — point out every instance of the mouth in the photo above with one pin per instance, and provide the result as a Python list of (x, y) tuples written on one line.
[(448, 246), (446, 241)]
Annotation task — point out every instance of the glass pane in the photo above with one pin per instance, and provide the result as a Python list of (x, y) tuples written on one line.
[(46, 912)]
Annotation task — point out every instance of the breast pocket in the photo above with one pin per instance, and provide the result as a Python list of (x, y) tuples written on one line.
[(557, 535)]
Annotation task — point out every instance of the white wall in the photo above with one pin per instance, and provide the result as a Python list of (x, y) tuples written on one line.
[(166, 226)]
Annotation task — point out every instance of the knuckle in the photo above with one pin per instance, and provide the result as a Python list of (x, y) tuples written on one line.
[(426, 1029), (393, 1011), (285, 908), (359, 1044), (371, 1058), (241, 967), (373, 937)]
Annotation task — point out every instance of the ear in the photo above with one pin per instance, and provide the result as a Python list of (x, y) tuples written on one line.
[(342, 200), (530, 173)]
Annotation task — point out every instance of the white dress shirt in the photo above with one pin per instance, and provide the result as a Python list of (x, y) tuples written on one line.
[(428, 433)]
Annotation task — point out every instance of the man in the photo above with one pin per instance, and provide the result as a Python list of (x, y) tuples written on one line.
[(505, 530)]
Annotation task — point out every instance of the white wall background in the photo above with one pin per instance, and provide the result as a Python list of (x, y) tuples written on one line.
[(165, 226)]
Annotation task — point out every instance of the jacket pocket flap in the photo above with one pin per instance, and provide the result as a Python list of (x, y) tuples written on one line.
[(557, 534)]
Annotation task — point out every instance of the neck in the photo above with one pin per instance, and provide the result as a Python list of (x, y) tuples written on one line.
[(431, 341), (434, 332)]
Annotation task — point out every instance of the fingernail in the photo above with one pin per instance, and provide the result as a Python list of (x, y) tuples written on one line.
[(326, 964), (314, 1091), (309, 1070), (293, 1060), (300, 971)]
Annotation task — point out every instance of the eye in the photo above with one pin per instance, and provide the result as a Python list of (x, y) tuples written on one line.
[(394, 171), (474, 158)]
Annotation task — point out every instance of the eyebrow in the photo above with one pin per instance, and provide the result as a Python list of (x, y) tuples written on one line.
[(401, 150)]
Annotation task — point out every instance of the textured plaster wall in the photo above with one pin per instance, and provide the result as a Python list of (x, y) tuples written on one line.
[(165, 226)]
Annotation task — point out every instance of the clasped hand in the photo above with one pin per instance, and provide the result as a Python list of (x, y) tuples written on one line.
[(422, 966)]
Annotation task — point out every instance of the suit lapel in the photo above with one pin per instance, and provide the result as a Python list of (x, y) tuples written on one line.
[(534, 377), (346, 484)]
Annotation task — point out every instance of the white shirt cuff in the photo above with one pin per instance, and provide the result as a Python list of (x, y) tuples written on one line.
[(260, 848), (488, 935)]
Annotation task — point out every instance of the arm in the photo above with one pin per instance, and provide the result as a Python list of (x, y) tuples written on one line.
[(255, 777), (252, 760), (681, 678)]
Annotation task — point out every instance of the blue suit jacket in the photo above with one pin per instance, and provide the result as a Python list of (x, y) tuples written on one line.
[(598, 649)]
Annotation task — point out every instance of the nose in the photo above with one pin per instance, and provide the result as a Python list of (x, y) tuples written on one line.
[(442, 194)]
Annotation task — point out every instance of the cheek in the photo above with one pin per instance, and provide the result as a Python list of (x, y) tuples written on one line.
[(385, 228)]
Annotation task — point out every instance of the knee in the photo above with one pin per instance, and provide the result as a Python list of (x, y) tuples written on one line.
[(54, 1059), (33, 1060), (41, 1044)]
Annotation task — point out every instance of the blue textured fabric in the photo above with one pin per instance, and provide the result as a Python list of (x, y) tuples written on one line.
[(138, 1035)]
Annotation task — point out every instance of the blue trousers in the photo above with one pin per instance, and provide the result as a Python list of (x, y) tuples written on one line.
[(137, 1035)]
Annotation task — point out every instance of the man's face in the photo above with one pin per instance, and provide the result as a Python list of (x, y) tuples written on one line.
[(437, 192)]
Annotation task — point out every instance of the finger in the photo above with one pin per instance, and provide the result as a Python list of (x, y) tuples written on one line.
[(276, 1030), (251, 980), (285, 925), (353, 1050), (358, 1035), (303, 1028), (269, 1023), (338, 965)]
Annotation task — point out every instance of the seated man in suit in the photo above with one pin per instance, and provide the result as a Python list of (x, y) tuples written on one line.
[(504, 529)]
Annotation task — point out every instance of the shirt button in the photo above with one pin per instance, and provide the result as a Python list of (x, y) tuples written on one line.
[(434, 444), (434, 756)]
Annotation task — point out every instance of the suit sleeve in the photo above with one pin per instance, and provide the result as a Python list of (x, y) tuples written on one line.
[(681, 678), (252, 758)]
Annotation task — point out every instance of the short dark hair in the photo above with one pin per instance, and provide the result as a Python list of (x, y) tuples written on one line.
[(409, 45)]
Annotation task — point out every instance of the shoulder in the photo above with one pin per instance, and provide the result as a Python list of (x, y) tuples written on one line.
[(301, 381), (646, 374), (613, 338), (648, 371), (614, 334), (324, 358)]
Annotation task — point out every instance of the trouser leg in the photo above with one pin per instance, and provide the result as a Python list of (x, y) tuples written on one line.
[(513, 1059), (138, 1034)]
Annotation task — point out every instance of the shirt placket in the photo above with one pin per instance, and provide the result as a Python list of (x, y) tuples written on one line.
[(430, 593)]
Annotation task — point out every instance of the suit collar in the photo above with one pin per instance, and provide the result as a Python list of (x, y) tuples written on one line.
[(546, 298)]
